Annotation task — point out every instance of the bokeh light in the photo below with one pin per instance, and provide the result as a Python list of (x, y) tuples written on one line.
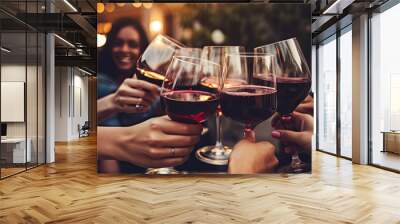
[(155, 26), (100, 7), (107, 27), (110, 7), (217, 36), (101, 40), (147, 5), (137, 4), (100, 27)]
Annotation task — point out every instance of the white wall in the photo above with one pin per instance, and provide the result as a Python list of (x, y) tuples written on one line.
[(71, 94), (16, 73), (33, 126)]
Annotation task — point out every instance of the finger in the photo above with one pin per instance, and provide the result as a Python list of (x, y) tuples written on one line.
[(176, 128), (135, 83), (250, 135), (301, 139), (168, 162), (303, 121), (305, 108), (132, 101), (168, 141), (134, 109), (286, 135), (161, 153), (137, 93)]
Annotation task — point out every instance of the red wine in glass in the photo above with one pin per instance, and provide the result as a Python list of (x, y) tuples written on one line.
[(248, 104), (291, 92), (189, 106)]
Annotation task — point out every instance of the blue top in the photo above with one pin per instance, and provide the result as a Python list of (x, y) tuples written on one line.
[(107, 85)]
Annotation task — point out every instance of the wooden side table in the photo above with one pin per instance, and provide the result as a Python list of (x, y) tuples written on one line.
[(391, 141)]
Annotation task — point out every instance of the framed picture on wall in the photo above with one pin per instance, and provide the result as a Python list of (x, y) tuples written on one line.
[(189, 88)]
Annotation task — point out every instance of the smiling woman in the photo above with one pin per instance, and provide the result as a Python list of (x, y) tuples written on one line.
[(119, 94), (122, 99)]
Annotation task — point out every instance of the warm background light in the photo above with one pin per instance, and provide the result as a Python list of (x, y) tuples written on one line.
[(147, 5), (100, 7), (101, 40), (100, 27), (155, 26), (120, 4), (110, 7), (137, 4), (107, 27)]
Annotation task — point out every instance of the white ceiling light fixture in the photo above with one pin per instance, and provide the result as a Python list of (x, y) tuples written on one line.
[(65, 41), (5, 50), (337, 7), (70, 5)]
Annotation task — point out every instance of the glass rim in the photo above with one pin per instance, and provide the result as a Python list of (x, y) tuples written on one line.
[(190, 49), (223, 46), (251, 54), (274, 43), (182, 58), (176, 42)]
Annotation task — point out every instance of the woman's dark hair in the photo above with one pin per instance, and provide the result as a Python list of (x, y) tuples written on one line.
[(106, 64)]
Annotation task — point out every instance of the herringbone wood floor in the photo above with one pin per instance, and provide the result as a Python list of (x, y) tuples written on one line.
[(70, 191)]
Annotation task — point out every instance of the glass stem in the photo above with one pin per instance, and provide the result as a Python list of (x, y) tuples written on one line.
[(249, 134), (218, 142)]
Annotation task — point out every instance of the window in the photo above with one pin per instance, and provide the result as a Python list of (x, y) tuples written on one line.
[(385, 89), (326, 98), (346, 92)]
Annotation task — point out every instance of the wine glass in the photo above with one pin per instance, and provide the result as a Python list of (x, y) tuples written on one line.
[(194, 53), (293, 80), (153, 63), (185, 96), (243, 101), (189, 52), (217, 154)]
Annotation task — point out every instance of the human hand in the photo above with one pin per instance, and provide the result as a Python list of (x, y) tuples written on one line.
[(306, 106), (134, 96), (296, 133), (157, 142), (251, 157)]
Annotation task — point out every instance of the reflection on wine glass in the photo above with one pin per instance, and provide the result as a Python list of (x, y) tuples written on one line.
[(183, 95), (189, 52), (153, 63), (293, 80), (248, 103), (217, 154)]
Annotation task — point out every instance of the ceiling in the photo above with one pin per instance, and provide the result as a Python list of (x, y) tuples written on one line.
[(73, 20)]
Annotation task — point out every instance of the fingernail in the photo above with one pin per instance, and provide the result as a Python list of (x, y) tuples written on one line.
[(158, 89), (276, 134)]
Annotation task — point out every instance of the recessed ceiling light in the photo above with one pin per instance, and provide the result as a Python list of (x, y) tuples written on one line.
[(70, 5), (5, 50)]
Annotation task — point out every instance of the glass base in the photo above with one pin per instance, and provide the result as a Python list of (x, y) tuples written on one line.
[(297, 167), (214, 155), (162, 171)]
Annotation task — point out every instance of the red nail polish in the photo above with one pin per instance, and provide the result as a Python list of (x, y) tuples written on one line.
[(276, 134)]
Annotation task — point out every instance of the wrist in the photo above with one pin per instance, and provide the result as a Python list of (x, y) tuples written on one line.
[(111, 103), (106, 142)]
